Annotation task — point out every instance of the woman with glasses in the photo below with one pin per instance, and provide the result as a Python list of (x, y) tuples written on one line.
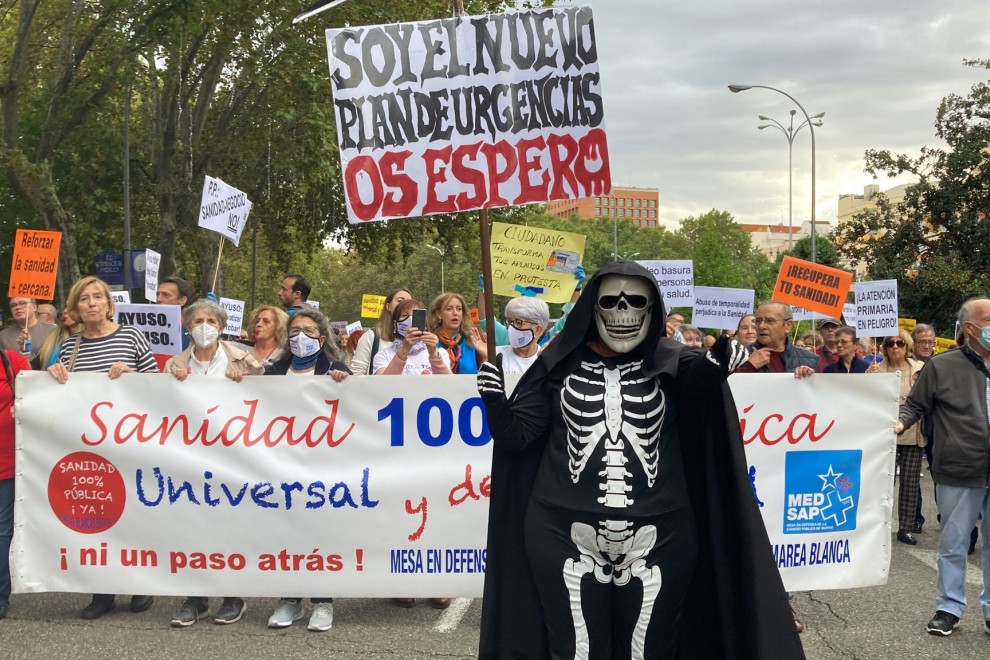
[(311, 350), (910, 444), (845, 348), (526, 321)]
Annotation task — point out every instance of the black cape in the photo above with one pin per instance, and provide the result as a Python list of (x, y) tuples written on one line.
[(736, 607)]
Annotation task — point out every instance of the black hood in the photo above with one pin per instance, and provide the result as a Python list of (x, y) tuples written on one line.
[(580, 326)]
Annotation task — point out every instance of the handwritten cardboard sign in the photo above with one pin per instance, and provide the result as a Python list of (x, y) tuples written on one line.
[(812, 286), (223, 209), (152, 261), (535, 261), (34, 266), (235, 315), (876, 308)]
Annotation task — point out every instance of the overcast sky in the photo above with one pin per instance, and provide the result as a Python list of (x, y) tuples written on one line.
[(877, 69)]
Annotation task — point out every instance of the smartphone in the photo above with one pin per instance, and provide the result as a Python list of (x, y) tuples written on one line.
[(419, 319)]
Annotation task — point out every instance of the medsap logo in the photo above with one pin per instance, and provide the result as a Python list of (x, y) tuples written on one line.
[(821, 491)]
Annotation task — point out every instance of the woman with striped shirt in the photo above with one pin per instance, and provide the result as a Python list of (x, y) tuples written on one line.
[(111, 348)]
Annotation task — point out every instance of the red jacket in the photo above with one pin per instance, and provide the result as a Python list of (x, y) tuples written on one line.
[(18, 363)]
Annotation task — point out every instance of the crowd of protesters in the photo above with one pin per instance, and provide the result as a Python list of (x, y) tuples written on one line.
[(413, 338)]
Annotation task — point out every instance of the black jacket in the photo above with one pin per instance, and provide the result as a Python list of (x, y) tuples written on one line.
[(737, 607)]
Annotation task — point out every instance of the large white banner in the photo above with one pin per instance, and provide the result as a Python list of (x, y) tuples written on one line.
[(821, 451), (370, 488), (161, 325), (471, 112)]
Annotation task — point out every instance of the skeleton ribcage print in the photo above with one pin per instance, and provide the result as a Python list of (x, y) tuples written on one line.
[(622, 409)]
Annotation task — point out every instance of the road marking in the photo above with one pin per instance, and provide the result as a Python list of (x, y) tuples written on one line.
[(452, 616), (927, 557)]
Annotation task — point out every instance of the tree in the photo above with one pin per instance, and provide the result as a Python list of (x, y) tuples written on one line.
[(936, 242), (723, 253)]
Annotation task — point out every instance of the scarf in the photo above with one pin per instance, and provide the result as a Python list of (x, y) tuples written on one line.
[(452, 344), (302, 364)]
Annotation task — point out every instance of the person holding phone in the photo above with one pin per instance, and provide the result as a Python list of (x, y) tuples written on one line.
[(455, 334), (363, 359), (414, 349)]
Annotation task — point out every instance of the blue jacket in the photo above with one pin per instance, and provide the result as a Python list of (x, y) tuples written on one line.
[(858, 366)]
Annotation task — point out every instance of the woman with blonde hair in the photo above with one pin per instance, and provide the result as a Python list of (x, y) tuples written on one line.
[(48, 354), (449, 320), (268, 327)]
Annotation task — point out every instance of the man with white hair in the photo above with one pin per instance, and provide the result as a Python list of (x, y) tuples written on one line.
[(954, 388), (526, 320)]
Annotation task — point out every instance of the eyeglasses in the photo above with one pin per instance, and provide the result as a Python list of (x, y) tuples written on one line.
[(899, 343), (309, 331), (16, 305), (519, 324), (768, 321)]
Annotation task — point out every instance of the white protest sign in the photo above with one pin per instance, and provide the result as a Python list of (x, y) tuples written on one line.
[(800, 314), (141, 467), (719, 307), (315, 304), (876, 308), (675, 279), (823, 480), (223, 209), (161, 325), (152, 260), (235, 315), (447, 115), (353, 327), (121, 297), (849, 314)]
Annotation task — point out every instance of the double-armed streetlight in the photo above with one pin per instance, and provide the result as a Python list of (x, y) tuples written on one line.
[(735, 89), (789, 133)]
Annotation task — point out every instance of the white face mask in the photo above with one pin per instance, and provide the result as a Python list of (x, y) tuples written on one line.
[(520, 338), (402, 327), (204, 335), (302, 346)]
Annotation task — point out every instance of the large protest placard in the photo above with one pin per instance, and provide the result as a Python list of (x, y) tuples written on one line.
[(161, 325), (812, 286), (34, 264), (535, 261), (876, 308), (468, 112), (372, 305), (223, 209), (823, 477), (720, 307), (675, 278), (370, 488)]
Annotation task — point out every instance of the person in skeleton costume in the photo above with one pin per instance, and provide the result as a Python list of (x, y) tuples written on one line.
[(622, 521)]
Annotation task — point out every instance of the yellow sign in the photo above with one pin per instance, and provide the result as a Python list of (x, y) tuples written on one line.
[(533, 260), (371, 306), (906, 325), (942, 345)]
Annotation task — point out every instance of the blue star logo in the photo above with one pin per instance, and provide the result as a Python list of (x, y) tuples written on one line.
[(829, 478)]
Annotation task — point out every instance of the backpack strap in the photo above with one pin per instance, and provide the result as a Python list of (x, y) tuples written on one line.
[(375, 344)]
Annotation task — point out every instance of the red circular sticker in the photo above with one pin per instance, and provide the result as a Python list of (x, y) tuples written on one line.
[(86, 492)]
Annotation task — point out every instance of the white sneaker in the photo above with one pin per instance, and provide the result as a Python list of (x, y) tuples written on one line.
[(322, 618), (287, 613)]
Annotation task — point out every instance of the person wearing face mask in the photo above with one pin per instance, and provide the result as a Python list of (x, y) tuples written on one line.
[(370, 343), (526, 320), (954, 389), (208, 355), (413, 351), (311, 350)]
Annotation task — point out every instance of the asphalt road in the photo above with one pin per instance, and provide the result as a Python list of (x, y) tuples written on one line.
[(875, 623)]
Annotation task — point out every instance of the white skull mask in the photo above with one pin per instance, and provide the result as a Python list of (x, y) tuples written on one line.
[(623, 311)]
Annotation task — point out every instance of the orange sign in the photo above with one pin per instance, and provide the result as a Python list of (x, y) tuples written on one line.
[(474, 315), (35, 264), (812, 286)]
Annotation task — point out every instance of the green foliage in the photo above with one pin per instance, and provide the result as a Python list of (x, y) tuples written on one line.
[(936, 243)]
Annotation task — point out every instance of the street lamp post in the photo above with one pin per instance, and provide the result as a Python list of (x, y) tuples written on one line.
[(789, 134), (735, 89), (443, 286)]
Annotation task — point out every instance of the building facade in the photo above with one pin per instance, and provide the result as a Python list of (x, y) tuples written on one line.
[(640, 206)]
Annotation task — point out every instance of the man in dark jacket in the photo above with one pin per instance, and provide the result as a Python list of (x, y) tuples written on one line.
[(773, 352), (953, 388), (622, 520)]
